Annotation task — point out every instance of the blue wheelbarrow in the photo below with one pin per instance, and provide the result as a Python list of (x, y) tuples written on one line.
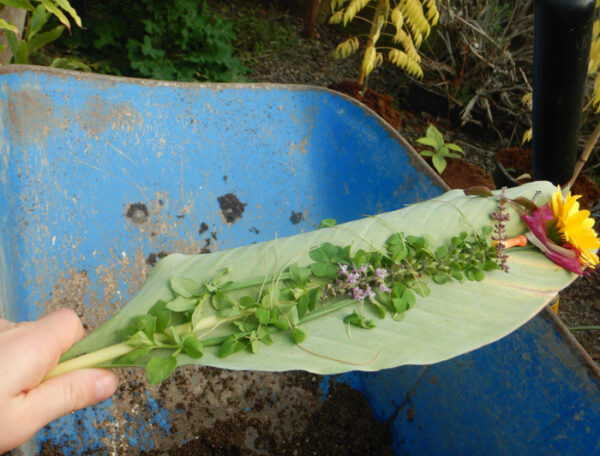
[(102, 176)]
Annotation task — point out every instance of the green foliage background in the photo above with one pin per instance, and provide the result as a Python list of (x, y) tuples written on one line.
[(182, 40)]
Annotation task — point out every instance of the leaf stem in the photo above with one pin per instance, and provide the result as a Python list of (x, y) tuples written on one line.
[(104, 355)]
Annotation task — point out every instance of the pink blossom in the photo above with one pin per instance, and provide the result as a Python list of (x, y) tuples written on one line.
[(563, 256), (384, 289), (381, 273)]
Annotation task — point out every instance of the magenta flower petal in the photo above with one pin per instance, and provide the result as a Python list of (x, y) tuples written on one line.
[(564, 257)]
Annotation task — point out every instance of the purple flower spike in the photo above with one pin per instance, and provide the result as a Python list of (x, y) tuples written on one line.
[(369, 293), (381, 273), (343, 269), (363, 269), (358, 294), (353, 277), (384, 289), (564, 257)]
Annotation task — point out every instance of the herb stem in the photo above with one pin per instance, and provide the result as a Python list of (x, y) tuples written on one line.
[(90, 359), (315, 314), (104, 355)]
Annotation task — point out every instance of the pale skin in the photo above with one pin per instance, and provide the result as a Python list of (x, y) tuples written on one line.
[(29, 351)]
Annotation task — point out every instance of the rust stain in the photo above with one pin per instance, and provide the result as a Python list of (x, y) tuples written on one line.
[(100, 115), (32, 116), (300, 147)]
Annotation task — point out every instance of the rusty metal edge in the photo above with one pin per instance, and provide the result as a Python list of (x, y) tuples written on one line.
[(567, 336), (415, 159)]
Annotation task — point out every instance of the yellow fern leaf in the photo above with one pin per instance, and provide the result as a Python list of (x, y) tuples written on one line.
[(414, 69), (416, 20), (353, 8), (346, 48), (594, 61), (527, 136), (414, 55), (335, 4), (397, 18), (402, 60), (404, 39), (397, 57), (433, 14), (369, 60), (527, 99), (336, 17), (378, 59), (596, 94)]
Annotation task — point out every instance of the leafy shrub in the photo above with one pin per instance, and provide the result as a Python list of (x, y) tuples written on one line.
[(441, 149), (36, 35), (174, 40)]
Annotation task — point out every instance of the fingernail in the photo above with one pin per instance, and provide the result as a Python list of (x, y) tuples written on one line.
[(106, 385)]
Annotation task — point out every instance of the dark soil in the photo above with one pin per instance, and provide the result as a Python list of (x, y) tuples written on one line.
[(343, 425), (461, 173), (155, 257), (231, 207), (381, 103), (519, 162)]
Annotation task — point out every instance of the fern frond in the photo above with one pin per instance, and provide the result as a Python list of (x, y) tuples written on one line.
[(405, 39), (595, 49), (335, 4), (336, 17), (416, 20), (378, 59), (527, 99), (402, 60), (353, 8), (346, 48), (527, 136), (397, 18), (369, 60), (596, 94), (433, 15)]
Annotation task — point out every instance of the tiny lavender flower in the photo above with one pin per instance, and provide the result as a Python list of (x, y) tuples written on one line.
[(381, 273), (383, 288), (358, 294), (353, 277), (369, 293)]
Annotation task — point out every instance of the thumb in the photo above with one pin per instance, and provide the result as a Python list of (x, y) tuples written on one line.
[(65, 393)]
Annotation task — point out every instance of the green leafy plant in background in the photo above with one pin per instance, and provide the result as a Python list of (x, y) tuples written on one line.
[(399, 288), (441, 150), (179, 40), (259, 32), (396, 26), (38, 30)]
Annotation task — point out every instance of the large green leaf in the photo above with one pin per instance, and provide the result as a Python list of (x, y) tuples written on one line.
[(455, 318)]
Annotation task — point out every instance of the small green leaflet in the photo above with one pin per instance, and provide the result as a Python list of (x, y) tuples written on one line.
[(158, 369)]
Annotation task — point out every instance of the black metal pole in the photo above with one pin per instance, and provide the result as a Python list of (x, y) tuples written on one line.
[(563, 31)]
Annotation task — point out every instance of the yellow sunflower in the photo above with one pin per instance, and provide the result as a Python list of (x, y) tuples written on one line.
[(575, 226)]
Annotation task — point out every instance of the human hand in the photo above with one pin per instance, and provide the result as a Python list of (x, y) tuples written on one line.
[(28, 351)]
